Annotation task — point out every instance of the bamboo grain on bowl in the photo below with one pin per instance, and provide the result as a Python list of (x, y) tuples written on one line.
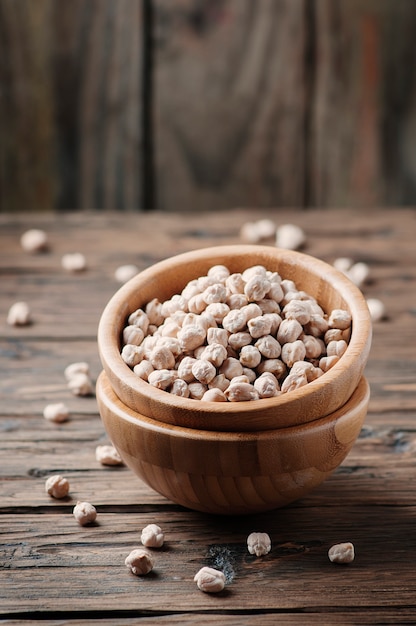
[(317, 399), (231, 473)]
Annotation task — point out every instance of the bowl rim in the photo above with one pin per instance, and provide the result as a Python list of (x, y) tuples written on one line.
[(134, 391)]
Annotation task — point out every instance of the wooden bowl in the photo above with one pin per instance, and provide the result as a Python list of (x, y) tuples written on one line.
[(313, 401), (229, 472)]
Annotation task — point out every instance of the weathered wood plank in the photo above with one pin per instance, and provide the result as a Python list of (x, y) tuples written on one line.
[(26, 107), (70, 115), (61, 571), (35, 377), (32, 449), (144, 240), (393, 615), (83, 568), (362, 113), (229, 126)]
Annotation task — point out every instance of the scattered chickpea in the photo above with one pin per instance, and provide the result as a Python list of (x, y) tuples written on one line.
[(79, 380), (290, 237), (266, 228), (125, 273), (152, 536), (139, 562), (342, 553), (57, 486), (358, 273), (210, 580), (376, 308), (108, 455), (81, 385), (343, 264), (74, 262), (84, 513), (259, 544), (80, 367), (57, 412), (34, 240), (254, 232), (19, 314)]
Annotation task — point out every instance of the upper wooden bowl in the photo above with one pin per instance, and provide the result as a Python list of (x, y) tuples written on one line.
[(317, 399), (227, 472)]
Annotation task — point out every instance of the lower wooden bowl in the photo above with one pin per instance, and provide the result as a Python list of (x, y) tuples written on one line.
[(232, 473)]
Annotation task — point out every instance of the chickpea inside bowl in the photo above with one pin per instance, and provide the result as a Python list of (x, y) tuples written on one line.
[(319, 398)]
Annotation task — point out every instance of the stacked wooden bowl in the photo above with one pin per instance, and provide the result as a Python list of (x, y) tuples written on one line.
[(242, 457)]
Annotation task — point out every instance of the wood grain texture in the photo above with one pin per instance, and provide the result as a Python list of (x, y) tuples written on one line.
[(285, 103), (26, 107), (55, 551), (363, 106), (55, 571), (229, 114), (70, 109)]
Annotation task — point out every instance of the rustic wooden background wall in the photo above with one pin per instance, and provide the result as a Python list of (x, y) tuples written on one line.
[(203, 104)]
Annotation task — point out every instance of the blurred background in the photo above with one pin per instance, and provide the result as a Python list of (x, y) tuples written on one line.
[(137, 105)]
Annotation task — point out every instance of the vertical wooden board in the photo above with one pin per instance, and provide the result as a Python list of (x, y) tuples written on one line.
[(363, 103), (26, 126), (229, 103), (99, 41), (70, 111)]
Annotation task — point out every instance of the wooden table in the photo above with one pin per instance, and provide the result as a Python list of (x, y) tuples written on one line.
[(55, 570)]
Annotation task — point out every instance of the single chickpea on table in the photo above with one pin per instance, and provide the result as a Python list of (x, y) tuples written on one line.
[(57, 486), (56, 412), (19, 314), (139, 562), (34, 240), (85, 513), (79, 379), (210, 580)]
